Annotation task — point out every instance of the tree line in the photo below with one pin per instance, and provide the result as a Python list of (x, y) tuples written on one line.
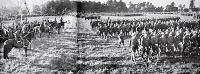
[(60, 7)]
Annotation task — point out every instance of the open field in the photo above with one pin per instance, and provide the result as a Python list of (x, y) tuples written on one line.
[(57, 54), (104, 56)]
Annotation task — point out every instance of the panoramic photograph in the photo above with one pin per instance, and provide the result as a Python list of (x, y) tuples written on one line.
[(99, 36)]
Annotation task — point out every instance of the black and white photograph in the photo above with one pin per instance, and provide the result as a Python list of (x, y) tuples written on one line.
[(99, 36)]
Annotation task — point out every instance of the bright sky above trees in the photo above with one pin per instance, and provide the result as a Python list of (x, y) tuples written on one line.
[(30, 3)]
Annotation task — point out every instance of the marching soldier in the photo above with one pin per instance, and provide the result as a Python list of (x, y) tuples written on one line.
[(121, 38)]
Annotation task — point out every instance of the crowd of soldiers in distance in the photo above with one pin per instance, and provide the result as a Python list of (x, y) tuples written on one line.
[(152, 36)]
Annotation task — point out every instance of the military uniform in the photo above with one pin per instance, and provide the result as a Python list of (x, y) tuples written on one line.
[(17, 35), (134, 43)]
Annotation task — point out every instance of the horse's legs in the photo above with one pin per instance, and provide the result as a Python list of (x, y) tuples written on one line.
[(120, 42), (133, 56), (58, 30), (184, 47), (5, 53), (49, 34), (30, 44), (6, 50), (40, 34), (25, 49)]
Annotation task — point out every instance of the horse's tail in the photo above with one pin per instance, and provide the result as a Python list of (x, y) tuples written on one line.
[(1, 50), (130, 43), (4, 51), (38, 28), (35, 29), (6, 48)]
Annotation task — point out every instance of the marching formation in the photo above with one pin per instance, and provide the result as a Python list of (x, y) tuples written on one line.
[(152, 36), (20, 35), (108, 27)]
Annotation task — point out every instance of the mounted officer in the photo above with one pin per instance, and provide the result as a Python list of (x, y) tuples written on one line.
[(18, 36), (61, 20), (121, 38), (2, 33), (1, 24)]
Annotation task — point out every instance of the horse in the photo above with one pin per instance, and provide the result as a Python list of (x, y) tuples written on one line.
[(10, 32), (121, 40), (186, 42), (3, 35), (59, 26), (144, 46), (56, 26), (134, 45), (11, 43), (92, 17), (101, 32), (42, 29), (154, 44)]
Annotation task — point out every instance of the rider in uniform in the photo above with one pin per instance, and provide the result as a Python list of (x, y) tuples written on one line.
[(121, 39), (1, 25), (18, 35), (61, 20), (55, 21)]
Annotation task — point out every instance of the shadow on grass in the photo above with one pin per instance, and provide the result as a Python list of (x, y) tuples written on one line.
[(104, 58)]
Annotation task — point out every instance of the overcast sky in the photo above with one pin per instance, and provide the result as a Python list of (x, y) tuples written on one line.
[(30, 3)]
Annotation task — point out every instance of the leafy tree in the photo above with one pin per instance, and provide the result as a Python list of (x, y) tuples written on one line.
[(159, 9), (37, 9), (122, 6), (181, 7), (144, 7), (191, 4), (173, 4), (171, 8)]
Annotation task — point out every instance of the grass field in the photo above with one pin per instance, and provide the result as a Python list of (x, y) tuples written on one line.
[(54, 55), (104, 56)]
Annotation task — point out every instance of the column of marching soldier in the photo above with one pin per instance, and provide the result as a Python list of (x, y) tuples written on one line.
[(152, 36)]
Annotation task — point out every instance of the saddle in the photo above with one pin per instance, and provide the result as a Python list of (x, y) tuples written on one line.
[(42, 28), (17, 43), (21, 43)]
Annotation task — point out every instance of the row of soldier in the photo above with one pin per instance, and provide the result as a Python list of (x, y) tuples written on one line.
[(110, 27), (152, 37)]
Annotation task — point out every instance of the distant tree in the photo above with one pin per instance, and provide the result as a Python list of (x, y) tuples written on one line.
[(60, 7), (109, 2), (159, 9), (37, 10), (171, 8), (114, 6), (173, 4), (186, 10), (180, 7), (191, 4), (43, 9), (144, 7), (114, 3), (122, 6), (168, 7), (25, 12), (132, 7), (184, 6)]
